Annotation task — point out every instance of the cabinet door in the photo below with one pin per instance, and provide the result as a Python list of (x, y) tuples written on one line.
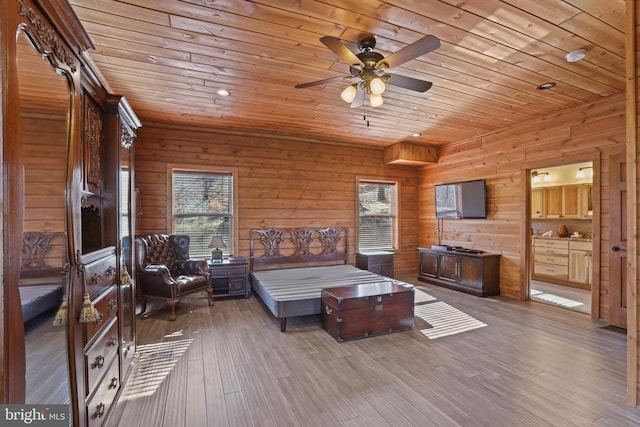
[(428, 264), (470, 271), (537, 197), (553, 202), (586, 201), (448, 267), (92, 146), (571, 201), (237, 285), (578, 267)]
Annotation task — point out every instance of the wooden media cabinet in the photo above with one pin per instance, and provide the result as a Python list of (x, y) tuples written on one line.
[(473, 273)]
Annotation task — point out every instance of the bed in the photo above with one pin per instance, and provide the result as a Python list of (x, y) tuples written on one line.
[(41, 285), (289, 267)]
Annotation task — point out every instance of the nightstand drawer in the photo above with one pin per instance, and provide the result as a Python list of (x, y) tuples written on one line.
[(227, 271)]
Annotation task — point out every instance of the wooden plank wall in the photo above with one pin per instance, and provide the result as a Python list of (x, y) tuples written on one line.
[(45, 141), (281, 182), (591, 132)]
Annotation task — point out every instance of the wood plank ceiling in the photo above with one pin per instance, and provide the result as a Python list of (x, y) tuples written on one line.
[(170, 57)]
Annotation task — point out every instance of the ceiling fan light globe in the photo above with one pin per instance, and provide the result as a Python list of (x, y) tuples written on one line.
[(375, 100), (376, 86), (349, 94)]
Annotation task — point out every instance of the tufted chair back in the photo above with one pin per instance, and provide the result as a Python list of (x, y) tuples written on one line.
[(179, 243), (158, 252)]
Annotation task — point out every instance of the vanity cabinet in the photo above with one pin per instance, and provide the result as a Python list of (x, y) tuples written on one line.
[(473, 273), (563, 261), (551, 258)]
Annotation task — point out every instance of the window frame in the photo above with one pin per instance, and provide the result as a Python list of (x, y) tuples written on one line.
[(171, 168), (395, 228)]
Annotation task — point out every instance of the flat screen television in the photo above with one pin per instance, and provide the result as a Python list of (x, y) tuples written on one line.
[(462, 200)]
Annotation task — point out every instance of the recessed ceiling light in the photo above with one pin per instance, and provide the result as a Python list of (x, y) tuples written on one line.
[(223, 92), (576, 55), (545, 86)]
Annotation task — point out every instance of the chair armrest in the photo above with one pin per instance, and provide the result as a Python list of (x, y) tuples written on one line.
[(156, 280), (193, 267)]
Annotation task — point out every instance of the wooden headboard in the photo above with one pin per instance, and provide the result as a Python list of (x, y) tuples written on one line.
[(287, 247), (43, 255)]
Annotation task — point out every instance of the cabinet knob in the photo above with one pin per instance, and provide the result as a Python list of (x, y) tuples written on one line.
[(616, 249)]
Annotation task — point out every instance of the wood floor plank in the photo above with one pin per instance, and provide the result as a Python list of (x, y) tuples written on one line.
[(531, 365)]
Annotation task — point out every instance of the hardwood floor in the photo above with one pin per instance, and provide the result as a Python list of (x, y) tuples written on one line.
[(47, 373), (562, 296), (489, 362)]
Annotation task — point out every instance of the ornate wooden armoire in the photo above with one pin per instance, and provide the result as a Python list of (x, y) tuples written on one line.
[(67, 170)]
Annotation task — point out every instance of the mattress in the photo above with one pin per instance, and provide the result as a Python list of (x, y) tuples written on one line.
[(37, 299), (296, 291)]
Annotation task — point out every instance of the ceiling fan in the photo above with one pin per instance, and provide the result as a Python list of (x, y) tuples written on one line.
[(367, 69)]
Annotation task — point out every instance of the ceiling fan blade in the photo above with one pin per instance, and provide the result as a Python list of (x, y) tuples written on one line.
[(358, 101), (340, 49), (320, 82), (412, 51), (409, 83)]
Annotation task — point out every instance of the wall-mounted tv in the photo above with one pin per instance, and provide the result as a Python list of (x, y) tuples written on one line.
[(462, 200)]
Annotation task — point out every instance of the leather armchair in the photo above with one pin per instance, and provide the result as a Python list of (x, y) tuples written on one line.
[(163, 270)]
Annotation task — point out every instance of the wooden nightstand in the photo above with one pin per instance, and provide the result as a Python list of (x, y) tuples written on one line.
[(229, 278), (379, 262)]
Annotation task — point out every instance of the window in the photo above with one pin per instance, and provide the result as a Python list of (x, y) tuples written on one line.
[(377, 215), (203, 206)]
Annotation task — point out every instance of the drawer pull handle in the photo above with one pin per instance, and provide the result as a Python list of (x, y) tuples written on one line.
[(96, 279), (98, 363), (110, 271), (328, 310), (113, 383), (112, 304), (113, 341), (99, 410)]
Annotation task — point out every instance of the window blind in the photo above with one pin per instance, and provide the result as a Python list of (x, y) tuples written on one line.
[(377, 215), (202, 208)]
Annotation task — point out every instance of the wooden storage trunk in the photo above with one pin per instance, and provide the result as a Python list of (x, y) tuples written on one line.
[(360, 311)]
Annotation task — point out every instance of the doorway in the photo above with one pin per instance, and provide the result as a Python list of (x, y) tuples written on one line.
[(561, 261)]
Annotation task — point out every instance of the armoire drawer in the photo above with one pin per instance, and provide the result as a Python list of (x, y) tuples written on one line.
[(100, 274), (100, 355), (99, 404), (107, 307)]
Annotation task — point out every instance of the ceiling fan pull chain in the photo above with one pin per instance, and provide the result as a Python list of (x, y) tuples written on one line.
[(364, 116)]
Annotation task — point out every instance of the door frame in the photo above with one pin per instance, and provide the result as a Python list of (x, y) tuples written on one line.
[(526, 255)]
